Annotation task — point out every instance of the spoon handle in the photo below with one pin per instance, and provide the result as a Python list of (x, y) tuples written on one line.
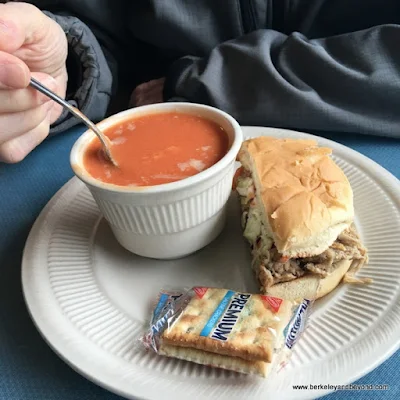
[(38, 86), (73, 110)]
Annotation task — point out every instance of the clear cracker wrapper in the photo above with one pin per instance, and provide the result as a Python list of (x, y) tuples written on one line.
[(243, 332)]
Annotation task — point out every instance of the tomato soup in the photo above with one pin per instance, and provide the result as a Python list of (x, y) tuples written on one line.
[(156, 149)]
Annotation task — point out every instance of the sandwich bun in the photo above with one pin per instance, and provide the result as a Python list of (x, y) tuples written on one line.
[(310, 286), (304, 198)]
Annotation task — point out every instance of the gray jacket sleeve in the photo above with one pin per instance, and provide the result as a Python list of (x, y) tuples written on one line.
[(345, 83), (93, 75)]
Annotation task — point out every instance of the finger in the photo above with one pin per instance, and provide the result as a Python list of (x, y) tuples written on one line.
[(144, 101), (17, 149), (24, 99), (153, 83), (151, 96), (14, 73), (20, 23), (16, 124)]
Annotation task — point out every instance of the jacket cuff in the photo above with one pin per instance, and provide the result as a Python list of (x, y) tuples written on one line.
[(176, 74), (94, 79)]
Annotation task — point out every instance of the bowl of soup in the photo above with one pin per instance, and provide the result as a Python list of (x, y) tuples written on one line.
[(167, 198)]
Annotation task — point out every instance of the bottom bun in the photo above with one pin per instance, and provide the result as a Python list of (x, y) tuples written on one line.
[(310, 286)]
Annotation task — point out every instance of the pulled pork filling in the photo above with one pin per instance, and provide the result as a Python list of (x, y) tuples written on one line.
[(270, 266)]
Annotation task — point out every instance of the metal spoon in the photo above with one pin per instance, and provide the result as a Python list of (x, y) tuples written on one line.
[(103, 139)]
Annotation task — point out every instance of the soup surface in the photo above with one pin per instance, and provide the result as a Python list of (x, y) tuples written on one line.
[(156, 149)]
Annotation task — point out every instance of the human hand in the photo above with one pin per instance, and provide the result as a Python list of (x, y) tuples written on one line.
[(148, 93), (31, 44)]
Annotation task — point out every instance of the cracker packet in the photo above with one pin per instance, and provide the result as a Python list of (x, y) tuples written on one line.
[(238, 331)]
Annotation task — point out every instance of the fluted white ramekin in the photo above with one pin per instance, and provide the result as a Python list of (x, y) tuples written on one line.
[(170, 220)]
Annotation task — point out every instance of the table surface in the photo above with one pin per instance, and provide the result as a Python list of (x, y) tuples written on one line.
[(28, 367)]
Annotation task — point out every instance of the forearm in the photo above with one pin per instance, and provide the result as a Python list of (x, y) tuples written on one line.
[(343, 83)]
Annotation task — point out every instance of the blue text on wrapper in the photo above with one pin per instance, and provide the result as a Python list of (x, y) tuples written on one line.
[(225, 316), (297, 324)]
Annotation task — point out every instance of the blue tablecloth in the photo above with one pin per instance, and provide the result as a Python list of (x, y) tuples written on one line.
[(28, 368)]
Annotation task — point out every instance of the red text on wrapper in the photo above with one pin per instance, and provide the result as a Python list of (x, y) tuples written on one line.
[(200, 291), (272, 302)]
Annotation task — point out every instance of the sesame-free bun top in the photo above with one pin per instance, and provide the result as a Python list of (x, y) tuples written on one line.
[(305, 199)]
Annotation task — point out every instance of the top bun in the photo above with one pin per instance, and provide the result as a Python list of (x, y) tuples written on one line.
[(305, 199)]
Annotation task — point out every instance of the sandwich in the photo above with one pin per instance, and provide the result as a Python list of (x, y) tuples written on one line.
[(298, 217)]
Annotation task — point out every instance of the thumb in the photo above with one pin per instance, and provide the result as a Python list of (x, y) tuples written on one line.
[(20, 23), (14, 73)]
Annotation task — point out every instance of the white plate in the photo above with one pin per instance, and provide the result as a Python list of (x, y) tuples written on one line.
[(90, 298)]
